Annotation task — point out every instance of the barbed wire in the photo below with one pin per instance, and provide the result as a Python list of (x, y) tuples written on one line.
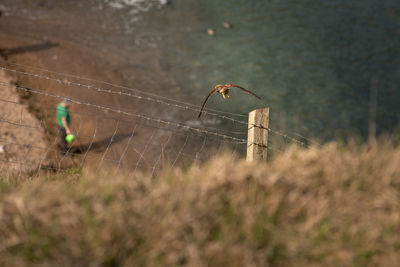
[(126, 147), (90, 145), (180, 151), (224, 136), (207, 110), (188, 135), (350, 94), (176, 124), (120, 93), (111, 139), (38, 128), (109, 144), (262, 145), (202, 146), (91, 114), (278, 133), (101, 158), (161, 154), (98, 89), (94, 135), (143, 156), (51, 148), (242, 141)]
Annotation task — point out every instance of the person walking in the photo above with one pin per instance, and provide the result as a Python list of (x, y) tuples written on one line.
[(64, 122)]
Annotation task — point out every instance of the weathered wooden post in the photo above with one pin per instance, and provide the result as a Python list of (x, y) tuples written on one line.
[(257, 137)]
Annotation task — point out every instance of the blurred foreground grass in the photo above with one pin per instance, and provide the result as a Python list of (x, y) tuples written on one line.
[(333, 205)]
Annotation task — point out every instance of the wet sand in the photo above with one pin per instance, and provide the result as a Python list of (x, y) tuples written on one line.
[(104, 137)]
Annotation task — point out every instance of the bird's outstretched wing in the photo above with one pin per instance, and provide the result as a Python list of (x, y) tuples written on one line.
[(205, 101), (245, 90)]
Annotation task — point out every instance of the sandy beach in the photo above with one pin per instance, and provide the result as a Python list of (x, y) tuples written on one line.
[(104, 137), (93, 129)]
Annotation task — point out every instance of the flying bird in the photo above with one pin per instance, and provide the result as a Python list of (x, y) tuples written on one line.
[(223, 89)]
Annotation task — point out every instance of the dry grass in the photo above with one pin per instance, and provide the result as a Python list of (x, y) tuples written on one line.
[(329, 206)]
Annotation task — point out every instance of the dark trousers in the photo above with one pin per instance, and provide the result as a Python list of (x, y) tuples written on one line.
[(63, 142)]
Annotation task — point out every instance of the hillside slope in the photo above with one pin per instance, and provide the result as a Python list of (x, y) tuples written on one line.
[(331, 206)]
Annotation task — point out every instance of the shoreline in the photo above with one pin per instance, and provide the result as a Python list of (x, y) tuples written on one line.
[(104, 138)]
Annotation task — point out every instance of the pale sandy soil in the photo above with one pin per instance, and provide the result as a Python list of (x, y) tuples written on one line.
[(22, 140)]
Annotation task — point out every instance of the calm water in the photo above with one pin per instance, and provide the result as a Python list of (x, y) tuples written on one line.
[(313, 62)]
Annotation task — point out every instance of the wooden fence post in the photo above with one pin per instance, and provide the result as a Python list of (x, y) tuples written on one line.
[(257, 137)]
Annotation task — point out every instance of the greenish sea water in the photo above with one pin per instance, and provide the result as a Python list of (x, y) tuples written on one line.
[(314, 63)]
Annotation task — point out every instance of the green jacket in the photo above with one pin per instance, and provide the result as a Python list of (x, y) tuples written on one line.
[(62, 112)]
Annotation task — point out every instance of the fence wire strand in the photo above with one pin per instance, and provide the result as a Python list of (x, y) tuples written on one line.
[(102, 107), (154, 98), (158, 134)]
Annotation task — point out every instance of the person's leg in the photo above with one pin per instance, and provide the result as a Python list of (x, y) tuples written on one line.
[(63, 142)]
